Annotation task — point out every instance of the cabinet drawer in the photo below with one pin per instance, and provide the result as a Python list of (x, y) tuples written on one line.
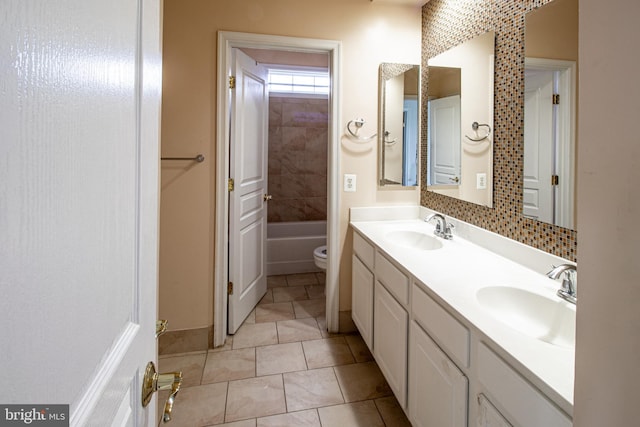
[(526, 405), (451, 334), (364, 250), (392, 278)]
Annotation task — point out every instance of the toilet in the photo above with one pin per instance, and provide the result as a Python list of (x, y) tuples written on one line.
[(320, 257)]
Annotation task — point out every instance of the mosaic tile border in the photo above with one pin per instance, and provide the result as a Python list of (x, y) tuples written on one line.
[(446, 24)]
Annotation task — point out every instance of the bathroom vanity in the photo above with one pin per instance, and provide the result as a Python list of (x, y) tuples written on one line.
[(468, 331)]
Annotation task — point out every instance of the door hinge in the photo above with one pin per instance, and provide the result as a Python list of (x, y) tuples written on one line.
[(230, 288), (232, 82), (556, 99), (230, 184), (554, 179)]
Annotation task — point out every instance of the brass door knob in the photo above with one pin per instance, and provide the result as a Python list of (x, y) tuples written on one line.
[(153, 381), (267, 197)]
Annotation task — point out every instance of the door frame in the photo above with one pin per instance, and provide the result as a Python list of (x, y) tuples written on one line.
[(228, 40)]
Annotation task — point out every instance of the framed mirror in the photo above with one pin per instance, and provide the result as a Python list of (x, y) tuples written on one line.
[(460, 121), (550, 100), (398, 124)]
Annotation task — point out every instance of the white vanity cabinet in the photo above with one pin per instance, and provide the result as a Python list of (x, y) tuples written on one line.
[(527, 407), (362, 300), (379, 308), (362, 288), (390, 325), (445, 368), (437, 388)]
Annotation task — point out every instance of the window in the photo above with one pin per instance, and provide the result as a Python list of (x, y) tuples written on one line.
[(302, 81)]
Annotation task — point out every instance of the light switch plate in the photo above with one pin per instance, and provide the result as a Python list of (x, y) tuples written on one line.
[(349, 182)]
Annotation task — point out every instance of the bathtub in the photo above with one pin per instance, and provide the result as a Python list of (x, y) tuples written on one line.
[(290, 246)]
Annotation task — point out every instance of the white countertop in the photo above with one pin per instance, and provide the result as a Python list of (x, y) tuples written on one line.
[(455, 273)]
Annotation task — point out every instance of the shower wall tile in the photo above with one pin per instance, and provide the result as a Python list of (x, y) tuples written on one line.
[(298, 138)]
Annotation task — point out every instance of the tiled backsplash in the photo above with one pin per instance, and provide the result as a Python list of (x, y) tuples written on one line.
[(298, 159), (447, 24)]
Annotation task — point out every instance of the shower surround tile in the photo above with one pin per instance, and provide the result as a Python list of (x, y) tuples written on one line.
[(298, 144)]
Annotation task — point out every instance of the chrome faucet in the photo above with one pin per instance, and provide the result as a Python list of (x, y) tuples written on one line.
[(443, 228), (569, 289)]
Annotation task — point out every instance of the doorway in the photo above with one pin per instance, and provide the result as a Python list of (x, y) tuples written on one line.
[(226, 42)]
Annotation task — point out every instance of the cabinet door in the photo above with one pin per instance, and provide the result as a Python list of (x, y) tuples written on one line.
[(390, 332), (437, 388), (362, 300)]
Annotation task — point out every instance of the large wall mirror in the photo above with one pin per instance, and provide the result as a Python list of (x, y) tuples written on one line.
[(551, 70), (460, 121), (398, 124)]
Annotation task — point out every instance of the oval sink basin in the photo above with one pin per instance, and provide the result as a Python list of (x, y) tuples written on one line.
[(547, 319), (414, 240)]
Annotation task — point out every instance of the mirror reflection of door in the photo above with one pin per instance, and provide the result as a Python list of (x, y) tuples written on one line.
[(410, 141), (398, 124), (538, 192), (550, 116), (548, 141), (444, 132)]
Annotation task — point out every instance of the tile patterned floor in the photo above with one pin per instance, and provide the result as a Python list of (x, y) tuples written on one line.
[(281, 369)]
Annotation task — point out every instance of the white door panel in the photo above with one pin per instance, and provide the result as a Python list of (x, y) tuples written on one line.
[(444, 132), (538, 146), (247, 208), (79, 135)]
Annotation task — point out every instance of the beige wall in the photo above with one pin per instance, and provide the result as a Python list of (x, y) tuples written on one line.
[(370, 32), (608, 323), (552, 31)]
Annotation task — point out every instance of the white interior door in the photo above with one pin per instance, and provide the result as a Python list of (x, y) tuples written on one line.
[(410, 142), (444, 137), (537, 196), (79, 127), (247, 208)]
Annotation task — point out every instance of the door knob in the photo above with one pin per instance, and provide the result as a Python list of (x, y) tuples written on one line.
[(153, 381), (267, 197), (456, 179)]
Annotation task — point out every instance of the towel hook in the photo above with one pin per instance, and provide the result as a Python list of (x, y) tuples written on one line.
[(386, 138), (475, 126), (359, 123)]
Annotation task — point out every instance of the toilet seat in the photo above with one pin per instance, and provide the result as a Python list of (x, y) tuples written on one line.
[(320, 251), (320, 257)]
